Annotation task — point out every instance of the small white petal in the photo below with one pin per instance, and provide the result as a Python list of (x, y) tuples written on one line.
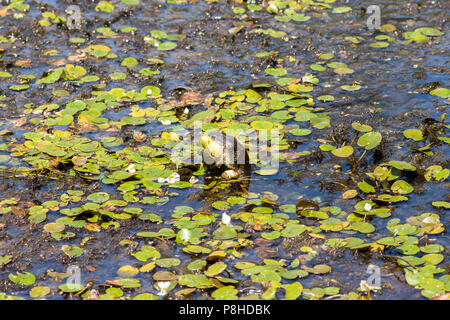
[(226, 219), (193, 179), (367, 207), (186, 111), (185, 235), (170, 180), (131, 168), (161, 180), (164, 284), (175, 176)]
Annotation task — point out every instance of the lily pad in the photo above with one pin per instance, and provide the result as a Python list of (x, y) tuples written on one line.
[(370, 140), (343, 152), (414, 134), (25, 278)]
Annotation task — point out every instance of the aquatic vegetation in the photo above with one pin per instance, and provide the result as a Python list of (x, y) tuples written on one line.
[(97, 128)]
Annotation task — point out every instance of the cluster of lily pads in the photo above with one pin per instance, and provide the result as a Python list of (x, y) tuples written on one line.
[(84, 138)]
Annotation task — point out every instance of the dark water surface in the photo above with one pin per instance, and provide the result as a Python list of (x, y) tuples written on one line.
[(395, 95)]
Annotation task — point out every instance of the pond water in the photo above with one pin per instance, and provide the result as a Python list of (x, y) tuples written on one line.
[(89, 117)]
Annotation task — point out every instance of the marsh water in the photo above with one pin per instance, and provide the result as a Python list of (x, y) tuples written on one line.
[(222, 54)]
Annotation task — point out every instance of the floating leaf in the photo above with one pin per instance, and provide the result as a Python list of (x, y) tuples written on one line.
[(72, 251), (402, 187), (196, 281), (54, 227), (433, 258), (363, 227), (341, 9), (166, 46), (39, 292), (225, 293), (326, 98), (129, 62), (98, 51), (343, 152), (293, 291), (215, 269), (401, 165), (98, 197), (71, 287), (277, 72), (361, 127), (127, 271), (293, 230), (318, 269), (353, 87), (441, 204), (441, 92), (414, 134), (25, 278), (317, 67), (5, 260), (224, 232), (370, 140), (266, 171), (168, 262), (349, 194)]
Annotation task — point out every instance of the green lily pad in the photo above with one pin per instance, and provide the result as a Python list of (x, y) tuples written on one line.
[(72, 251), (293, 291), (402, 187), (98, 197), (441, 92), (215, 269), (54, 227), (325, 98), (401, 165), (225, 232), (146, 296), (225, 293), (441, 204), (129, 62), (433, 258), (293, 230), (5, 260), (361, 226), (370, 140), (432, 248), (168, 262), (127, 271), (342, 9), (414, 134), (353, 87), (39, 292), (317, 67), (166, 46), (195, 281), (262, 125), (71, 287), (128, 283), (277, 72), (271, 235), (25, 278), (343, 152)]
